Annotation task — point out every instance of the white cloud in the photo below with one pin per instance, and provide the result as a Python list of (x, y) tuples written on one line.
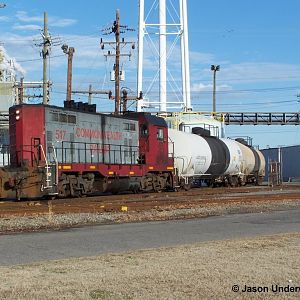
[(4, 19), (27, 27), (23, 16), (63, 22), (250, 72), (201, 58), (201, 87)]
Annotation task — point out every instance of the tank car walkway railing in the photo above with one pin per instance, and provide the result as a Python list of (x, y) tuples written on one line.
[(77, 152), (261, 118)]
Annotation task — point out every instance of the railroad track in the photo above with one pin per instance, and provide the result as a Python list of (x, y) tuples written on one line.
[(140, 202)]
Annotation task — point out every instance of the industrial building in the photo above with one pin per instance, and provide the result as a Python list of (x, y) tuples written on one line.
[(288, 160)]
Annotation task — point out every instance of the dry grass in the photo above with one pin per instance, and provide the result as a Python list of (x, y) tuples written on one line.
[(200, 271)]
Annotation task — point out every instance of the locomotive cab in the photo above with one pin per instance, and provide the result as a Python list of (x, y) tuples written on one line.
[(153, 139), (154, 152)]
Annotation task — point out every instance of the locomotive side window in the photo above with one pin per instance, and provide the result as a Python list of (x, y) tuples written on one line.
[(160, 134), (129, 126), (63, 118), (144, 130), (54, 117), (71, 119)]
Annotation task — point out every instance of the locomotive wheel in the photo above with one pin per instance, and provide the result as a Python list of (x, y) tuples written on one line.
[(63, 191), (156, 184), (63, 187), (136, 189)]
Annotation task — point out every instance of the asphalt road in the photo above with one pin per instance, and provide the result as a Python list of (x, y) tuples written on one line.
[(94, 240)]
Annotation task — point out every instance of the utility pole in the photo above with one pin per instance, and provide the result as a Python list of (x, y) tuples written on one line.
[(23, 86), (69, 51), (116, 30), (124, 98), (214, 68), (46, 43), (21, 91), (90, 92), (45, 54)]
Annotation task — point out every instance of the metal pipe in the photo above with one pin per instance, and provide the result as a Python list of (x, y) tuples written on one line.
[(162, 56), (185, 61)]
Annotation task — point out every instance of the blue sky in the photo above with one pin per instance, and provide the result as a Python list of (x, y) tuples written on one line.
[(256, 43)]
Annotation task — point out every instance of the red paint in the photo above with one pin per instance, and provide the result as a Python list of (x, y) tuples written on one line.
[(60, 134), (95, 148), (26, 133), (97, 134)]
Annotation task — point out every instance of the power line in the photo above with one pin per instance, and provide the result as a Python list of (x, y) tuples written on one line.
[(37, 59)]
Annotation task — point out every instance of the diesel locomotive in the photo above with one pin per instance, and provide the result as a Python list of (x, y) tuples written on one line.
[(73, 151)]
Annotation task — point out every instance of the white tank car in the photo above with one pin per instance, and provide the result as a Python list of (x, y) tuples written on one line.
[(248, 159), (253, 165), (192, 154), (217, 161), (234, 167), (262, 167)]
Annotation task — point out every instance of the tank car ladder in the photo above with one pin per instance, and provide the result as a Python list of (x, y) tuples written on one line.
[(49, 170)]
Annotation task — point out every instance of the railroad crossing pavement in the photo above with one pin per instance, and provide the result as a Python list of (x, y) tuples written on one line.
[(94, 240)]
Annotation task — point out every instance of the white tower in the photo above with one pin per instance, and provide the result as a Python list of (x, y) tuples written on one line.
[(179, 30)]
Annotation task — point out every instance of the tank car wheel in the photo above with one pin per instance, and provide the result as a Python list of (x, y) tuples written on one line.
[(187, 186), (234, 182)]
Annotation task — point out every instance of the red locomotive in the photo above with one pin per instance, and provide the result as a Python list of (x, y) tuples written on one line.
[(74, 151)]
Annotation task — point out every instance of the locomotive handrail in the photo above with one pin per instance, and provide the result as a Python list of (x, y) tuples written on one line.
[(47, 168), (73, 152), (56, 164)]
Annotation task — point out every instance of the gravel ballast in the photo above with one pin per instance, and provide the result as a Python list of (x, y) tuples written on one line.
[(61, 221)]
